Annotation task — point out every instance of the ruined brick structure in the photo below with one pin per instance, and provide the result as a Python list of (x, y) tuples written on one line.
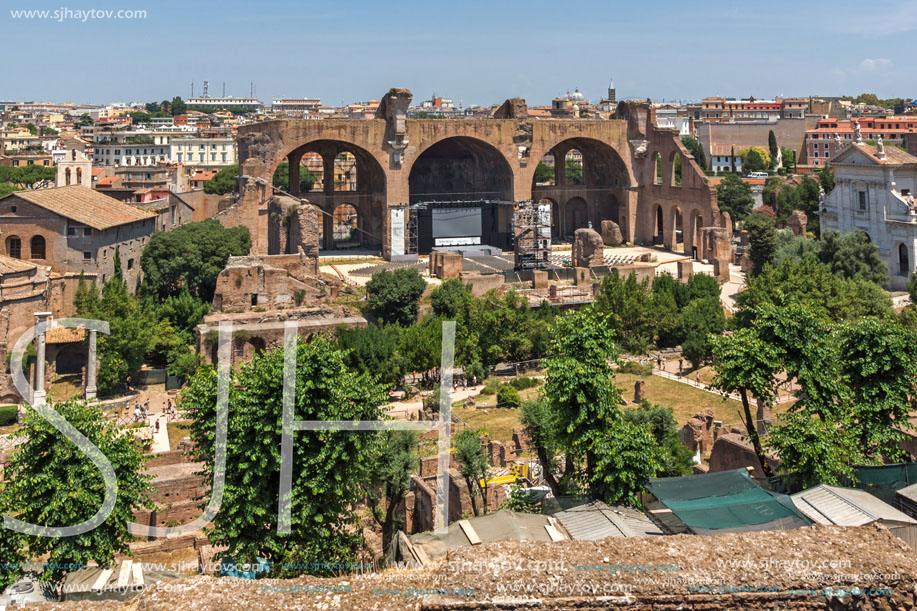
[(400, 161)]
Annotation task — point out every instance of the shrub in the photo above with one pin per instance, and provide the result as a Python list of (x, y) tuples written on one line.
[(523, 382), (508, 396), (491, 386), (475, 370), (8, 414), (636, 368)]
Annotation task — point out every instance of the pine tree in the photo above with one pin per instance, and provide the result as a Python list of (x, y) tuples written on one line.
[(732, 160)]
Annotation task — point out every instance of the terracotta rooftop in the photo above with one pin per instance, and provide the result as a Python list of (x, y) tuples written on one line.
[(86, 206), (9, 265), (893, 155), (64, 335), (110, 180)]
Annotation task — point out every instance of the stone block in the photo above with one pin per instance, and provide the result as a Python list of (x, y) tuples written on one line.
[(445, 264), (480, 284), (538, 278), (583, 276), (639, 391), (797, 222), (588, 249), (685, 269), (721, 269), (611, 233)]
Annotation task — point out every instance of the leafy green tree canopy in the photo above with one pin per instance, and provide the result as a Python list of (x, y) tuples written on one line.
[(392, 296)]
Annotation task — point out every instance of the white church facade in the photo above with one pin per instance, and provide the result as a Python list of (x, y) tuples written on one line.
[(874, 193)]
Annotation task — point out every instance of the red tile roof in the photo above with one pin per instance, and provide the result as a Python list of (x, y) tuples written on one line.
[(86, 206)]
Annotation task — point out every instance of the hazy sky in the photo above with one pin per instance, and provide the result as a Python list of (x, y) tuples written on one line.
[(478, 52)]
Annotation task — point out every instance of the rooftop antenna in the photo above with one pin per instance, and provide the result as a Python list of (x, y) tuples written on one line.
[(206, 89), (224, 89), (252, 94), (192, 89)]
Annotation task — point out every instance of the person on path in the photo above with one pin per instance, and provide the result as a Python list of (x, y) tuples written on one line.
[(697, 378)]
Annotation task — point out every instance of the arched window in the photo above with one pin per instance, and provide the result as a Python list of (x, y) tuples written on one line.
[(37, 247), (904, 264), (14, 247), (79, 176), (676, 170), (658, 171), (67, 176)]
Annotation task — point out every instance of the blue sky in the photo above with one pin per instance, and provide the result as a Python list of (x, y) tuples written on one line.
[(479, 52)]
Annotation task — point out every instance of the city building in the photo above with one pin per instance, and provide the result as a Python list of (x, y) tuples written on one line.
[(75, 229), (228, 103), (133, 147), (295, 105), (822, 142), (200, 151), (874, 193)]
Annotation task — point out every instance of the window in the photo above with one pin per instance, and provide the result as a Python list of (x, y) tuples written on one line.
[(87, 230), (130, 264), (861, 201), (13, 209), (254, 299), (14, 247), (87, 256), (71, 231), (37, 247)]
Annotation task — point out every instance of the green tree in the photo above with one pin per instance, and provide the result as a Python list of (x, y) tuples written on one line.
[(178, 106), (32, 129), (755, 159), (223, 182), (190, 258), (696, 150), (574, 172), (772, 146), (6, 189), (826, 179), (628, 308), (332, 470), (789, 158), (748, 366), (762, 240), (912, 288), (55, 484), (580, 389), (451, 300), (812, 283), (508, 397), (374, 349), (542, 424), (674, 458), (473, 466), (733, 195), (394, 464), (701, 319), (393, 295), (420, 345), (133, 330), (84, 120), (880, 365), (544, 174), (852, 255), (732, 159), (627, 455), (281, 178)]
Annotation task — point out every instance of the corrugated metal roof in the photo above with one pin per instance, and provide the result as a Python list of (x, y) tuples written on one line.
[(846, 507), (86, 206), (596, 520)]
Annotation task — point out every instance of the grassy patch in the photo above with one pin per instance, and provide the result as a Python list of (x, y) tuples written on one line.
[(178, 430), (497, 423), (685, 400), (66, 387)]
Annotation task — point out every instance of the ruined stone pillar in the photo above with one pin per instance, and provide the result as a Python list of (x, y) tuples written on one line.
[(328, 230), (91, 366), (38, 397), (294, 160), (328, 173), (560, 168)]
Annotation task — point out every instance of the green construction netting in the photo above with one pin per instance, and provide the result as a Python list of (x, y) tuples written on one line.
[(883, 481), (728, 501)]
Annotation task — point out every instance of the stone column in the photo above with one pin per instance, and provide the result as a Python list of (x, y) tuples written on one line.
[(328, 173), (91, 366), (294, 160), (38, 397)]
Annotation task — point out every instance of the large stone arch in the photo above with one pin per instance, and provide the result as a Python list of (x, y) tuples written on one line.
[(463, 169), (606, 180), (369, 198)]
